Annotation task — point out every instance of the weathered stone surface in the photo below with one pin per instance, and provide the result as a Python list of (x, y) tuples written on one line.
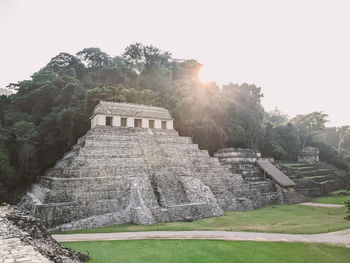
[(315, 180), (24, 239), (275, 174), (260, 175), (309, 155), (116, 175)]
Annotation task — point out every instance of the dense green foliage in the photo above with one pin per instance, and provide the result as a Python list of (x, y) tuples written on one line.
[(176, 251), (291, 219), (51, 110), (347, 204)]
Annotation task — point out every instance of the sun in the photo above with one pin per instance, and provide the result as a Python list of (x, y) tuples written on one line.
[(204, 75)]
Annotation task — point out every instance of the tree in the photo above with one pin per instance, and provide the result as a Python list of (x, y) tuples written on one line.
[(64, 64), (276, 117), (26, 137), (94, 58), (310, 126), (343, 132), (186, 70), (281, 142), (7, 173), (143, 58), (242, 106), (347, 205)]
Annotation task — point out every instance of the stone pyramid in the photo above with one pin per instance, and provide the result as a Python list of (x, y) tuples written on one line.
[(118, 174)]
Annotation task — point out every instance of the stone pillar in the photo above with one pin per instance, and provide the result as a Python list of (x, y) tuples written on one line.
[(157, 124), (170, 125), (101, 120), (145, 123), (130, 122), (93, 122), (116, 121)]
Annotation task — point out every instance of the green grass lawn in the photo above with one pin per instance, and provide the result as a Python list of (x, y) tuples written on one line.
[(332, 199), (277, 219), (202, 251)]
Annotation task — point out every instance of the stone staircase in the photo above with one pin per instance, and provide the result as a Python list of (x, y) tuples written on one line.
[(244, 162), (314, 180), (121, 174)]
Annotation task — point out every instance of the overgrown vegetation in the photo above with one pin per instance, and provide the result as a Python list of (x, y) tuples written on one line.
[(347, 204), (51, 110)]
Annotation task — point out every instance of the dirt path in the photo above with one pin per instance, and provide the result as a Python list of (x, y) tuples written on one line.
[(322, 205), (335, 238)]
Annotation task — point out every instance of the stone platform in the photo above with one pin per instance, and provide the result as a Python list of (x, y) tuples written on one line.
[(116, 175)]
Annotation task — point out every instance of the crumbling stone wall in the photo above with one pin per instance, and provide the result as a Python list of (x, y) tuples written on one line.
[(244, 162), (309, 155), (25, 239)]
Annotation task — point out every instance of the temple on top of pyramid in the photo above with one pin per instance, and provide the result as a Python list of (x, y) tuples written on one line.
[(132, 166), (131, 115)]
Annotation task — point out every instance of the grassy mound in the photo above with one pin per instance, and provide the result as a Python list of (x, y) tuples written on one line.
[(209, 251), (295, 219)]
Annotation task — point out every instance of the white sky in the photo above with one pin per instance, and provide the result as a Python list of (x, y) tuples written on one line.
[(298, 51)]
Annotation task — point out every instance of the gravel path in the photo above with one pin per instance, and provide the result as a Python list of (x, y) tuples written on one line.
[(335, 238), (322, 205)]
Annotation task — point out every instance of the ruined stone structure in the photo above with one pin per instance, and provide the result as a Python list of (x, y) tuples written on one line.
[(309, 155), (260, 175), (120, 173), (24, 239), (315, 180)]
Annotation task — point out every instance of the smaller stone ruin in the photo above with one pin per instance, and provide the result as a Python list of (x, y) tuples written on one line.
[(309, 155), (260, 175), (24, 239)]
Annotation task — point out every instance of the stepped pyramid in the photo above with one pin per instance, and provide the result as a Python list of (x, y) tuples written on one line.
[(132, 166)]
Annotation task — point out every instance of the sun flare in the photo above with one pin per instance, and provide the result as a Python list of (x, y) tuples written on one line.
[(204, 75)]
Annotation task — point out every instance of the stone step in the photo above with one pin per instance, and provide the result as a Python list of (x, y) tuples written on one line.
[(240, 169), (130, 130), (247, 161), (320, 178), (255, 173), (86, 182), (235, 154), (314, 173), (66, 212), (263, 187), (88, 194), (253, 179), (132, 172), (134, 138), (96, 162), (123, 145), (72, 172)]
